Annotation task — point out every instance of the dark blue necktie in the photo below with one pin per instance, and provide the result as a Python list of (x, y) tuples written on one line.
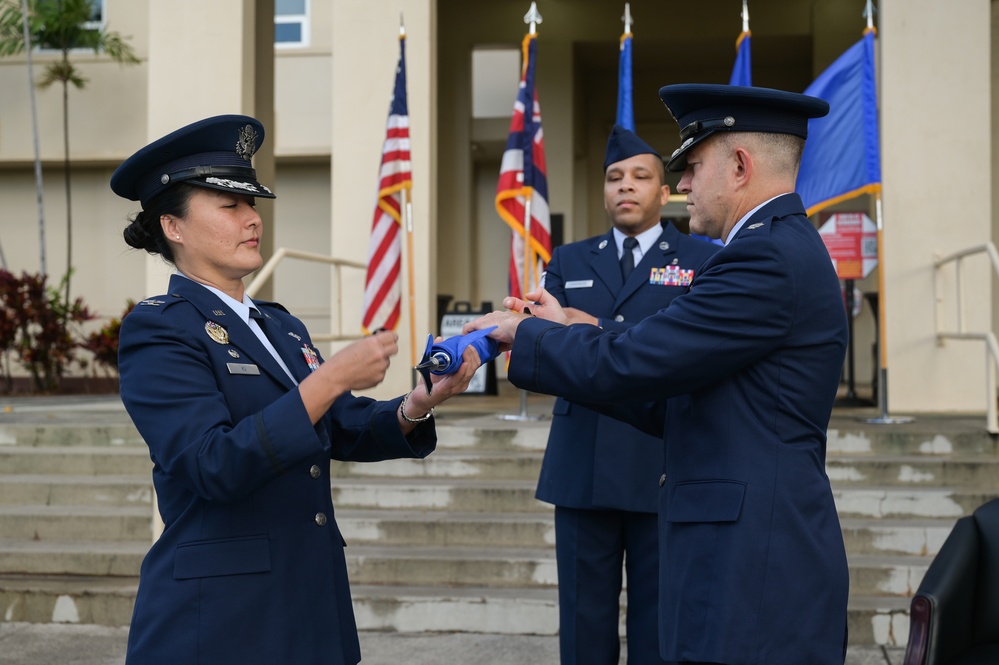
[(628, 257)]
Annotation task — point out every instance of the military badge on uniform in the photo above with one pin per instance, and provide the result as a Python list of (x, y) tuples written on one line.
[(298, 337), (152, 302), (218, 312), (671, 276), (755, 226), (311, 357), (234, 353), (216, 332)]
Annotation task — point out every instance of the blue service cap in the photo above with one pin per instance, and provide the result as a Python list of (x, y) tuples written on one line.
[(703, 109), (214, 153), (624, 143)]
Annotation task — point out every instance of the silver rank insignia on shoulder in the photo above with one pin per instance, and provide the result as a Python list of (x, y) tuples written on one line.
[(234, 353), (152, 302), (298, 337), (755, 226), (218, 312), (216, 332), (603, 243)]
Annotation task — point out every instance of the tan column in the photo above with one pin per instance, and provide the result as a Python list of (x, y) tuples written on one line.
[(212, 58), (936, 172), (365, 53)]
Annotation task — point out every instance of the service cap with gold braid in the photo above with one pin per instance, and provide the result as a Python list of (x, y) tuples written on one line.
[(214, 153), (703, 109)]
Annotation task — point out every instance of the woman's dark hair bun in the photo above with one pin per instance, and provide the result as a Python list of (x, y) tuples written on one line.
[(136, 235)]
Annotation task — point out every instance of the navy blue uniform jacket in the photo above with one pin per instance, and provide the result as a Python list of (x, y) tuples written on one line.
[(592, 460), (246, 570), (744, 370)]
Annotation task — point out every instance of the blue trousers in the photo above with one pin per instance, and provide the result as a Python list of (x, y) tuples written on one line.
[(590, 548)]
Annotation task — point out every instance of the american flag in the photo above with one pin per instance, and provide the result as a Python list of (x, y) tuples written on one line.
[(383, 284), (523, 177)]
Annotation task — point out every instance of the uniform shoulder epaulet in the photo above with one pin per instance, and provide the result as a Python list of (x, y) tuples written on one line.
[(155, 303)]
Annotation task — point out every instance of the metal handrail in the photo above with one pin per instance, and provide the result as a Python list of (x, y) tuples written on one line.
[(336, 315), (991, 344)]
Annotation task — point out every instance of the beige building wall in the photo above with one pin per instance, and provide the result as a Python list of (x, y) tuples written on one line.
[(366, 51), (936, 168), (329, 106)]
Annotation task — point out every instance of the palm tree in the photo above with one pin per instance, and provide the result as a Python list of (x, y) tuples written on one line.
[(64, 26)]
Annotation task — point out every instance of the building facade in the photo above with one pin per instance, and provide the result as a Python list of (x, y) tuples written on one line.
[(323, 91)]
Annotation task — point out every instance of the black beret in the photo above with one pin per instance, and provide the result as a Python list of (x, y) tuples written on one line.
[(623, 144), (703, 109), (214, 153)]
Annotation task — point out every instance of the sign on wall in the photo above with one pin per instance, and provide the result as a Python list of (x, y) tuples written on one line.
[(852, 241)]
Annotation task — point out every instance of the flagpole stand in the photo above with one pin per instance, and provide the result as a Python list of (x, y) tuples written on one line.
[(884, 418), (523, 415)]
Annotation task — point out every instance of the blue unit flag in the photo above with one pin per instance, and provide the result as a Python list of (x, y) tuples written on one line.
[(842, 157)]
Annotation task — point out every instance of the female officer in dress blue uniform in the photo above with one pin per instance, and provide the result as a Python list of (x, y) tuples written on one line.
[(242, 416)]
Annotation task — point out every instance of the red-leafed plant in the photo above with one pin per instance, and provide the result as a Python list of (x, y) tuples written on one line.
[(40, 328)]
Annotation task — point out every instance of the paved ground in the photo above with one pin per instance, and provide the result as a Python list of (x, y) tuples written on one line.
[(45, 644)]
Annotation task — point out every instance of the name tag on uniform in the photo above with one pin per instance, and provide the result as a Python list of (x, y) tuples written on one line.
[(579, 284), (242, 368)]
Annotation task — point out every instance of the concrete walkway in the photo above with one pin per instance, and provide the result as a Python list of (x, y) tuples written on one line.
[(45, 644)]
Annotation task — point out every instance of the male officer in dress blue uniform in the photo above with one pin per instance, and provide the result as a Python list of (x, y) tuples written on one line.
[(600, 473), (738, 375)]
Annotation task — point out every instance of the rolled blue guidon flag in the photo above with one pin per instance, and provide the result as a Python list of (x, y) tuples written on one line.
[(445, 356)]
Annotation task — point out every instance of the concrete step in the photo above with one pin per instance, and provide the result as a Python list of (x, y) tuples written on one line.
[(452, 566), (932, 435), (916, 503), (76, 460), (488, 432), (914, 471), (917, 537), (468, 609), (886, 575), (878, 620), (72, 557), (436, 529), (456, 494), (108, 601), (70, 434), (125, 490), (62, 522), (102, 600), (450, 463)]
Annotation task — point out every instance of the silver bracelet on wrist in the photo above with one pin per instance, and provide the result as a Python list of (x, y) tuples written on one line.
[(415, 421)]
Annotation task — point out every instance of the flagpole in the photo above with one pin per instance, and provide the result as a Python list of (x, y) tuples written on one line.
[(533, 17), (407, 216), (884, 418)]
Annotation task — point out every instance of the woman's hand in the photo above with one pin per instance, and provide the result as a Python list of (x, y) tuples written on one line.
[(418, 403), (358, 366), (363, 363)]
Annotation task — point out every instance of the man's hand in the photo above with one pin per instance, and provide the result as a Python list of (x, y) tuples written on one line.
[(540, 303)]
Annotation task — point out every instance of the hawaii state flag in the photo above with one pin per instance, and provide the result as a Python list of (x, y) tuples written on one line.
[(842, 158), (383, 284), (523, 181)]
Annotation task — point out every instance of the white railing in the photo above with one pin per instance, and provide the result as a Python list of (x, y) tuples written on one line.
[(991, 345), (336, 333)]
